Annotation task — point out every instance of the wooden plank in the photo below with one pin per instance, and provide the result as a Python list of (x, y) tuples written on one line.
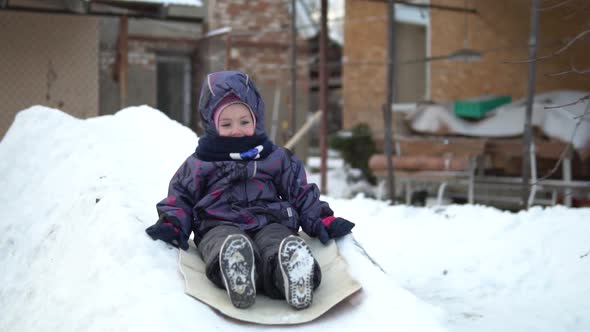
[(513, 148), (378, 162), (456, 147)]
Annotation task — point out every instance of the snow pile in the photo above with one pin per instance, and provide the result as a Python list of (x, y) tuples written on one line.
[(77, 195)]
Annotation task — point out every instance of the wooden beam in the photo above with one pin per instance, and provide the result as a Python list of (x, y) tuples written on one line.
[(432, 6), (77, 6), (92, 12)]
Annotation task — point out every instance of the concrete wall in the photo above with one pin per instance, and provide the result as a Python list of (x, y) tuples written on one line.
[(48, 60)]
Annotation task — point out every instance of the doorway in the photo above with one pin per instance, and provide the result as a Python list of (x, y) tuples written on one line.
[(174, 87)]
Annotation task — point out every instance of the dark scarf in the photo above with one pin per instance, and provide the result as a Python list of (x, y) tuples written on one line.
[(218, 148)]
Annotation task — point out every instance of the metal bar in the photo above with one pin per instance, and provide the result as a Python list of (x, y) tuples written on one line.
[(545, 183), (567, 177), (102, 14), (293, 68), (123, 60), (323, 96), (387, 112), (528, 131), (534, 186)]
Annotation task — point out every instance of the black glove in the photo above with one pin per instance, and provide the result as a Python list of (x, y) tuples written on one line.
[(339, 227), (334, 228), (168, 230), (322, 233)]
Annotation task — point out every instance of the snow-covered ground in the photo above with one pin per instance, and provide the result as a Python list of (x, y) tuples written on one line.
[(76, 196)]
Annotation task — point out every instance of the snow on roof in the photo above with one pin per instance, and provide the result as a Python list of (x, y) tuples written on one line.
[(195, 3)]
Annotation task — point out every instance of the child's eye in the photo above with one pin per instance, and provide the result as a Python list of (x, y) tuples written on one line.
[(225, 125), (245, 123)]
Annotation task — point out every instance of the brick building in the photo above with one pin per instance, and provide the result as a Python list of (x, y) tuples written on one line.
[(500, 29), (58, 57)]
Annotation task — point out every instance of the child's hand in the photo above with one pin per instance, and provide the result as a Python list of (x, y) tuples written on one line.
[(334, 228), (168, 231)]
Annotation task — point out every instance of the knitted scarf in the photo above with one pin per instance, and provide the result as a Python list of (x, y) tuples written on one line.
[(219, 148)]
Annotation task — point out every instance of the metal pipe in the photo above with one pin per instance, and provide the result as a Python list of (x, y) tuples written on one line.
[(528, 131), (387, 112), (293, 68), (123, 61), (323, 96)]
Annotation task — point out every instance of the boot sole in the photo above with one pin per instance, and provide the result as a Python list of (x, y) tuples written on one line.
[(297, 263), (236, 261)]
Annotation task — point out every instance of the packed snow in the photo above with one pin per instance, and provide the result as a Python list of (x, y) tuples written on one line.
[(77, 195)]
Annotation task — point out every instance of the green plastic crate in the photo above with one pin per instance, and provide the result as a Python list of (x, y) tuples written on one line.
[(476, 108)]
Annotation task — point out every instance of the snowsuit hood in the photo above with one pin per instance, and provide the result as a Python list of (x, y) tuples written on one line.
[(216, 86)]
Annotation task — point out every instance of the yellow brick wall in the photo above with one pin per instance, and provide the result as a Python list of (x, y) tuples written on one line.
[(501, 29), (49, 60), (363, 86)]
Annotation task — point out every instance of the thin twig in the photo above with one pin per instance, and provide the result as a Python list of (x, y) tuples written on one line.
[(556, 5), (565, 150), (572, 41), (556, 53), (531, 60), (572, 71), (586, 97)]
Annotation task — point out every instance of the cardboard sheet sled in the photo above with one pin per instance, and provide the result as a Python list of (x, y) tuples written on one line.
[(337, 284)]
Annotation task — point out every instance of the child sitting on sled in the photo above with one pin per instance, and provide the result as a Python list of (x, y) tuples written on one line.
[(245, 199)]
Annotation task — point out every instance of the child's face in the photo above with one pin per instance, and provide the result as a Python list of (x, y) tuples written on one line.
[(236, 121)]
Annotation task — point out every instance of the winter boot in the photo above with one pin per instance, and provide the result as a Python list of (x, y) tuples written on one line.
[(296, 264), (236, 261)]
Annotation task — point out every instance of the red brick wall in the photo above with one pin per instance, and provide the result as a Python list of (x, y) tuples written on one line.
[(259, 45)]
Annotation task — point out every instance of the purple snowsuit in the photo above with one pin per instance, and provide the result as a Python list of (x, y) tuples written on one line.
[(248, 193)]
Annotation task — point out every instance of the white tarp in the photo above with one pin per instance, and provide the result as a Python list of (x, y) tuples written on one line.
[(508, 120)]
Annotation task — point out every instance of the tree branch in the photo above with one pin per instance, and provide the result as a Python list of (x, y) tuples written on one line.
[(556, 53), (557, 5), (569, 145), (572, 70), (586, 97)]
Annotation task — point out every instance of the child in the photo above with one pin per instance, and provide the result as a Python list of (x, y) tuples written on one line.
[(245, 199)]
